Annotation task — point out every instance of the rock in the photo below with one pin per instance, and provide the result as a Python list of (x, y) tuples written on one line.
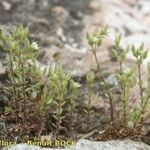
[(73, 60), (147, 119), (89, 145), (6, 5), (144, 7), (61, 35), (94, 5), (76, 60), (23, 147), (58, 10), (2, 69), (123, 20), (136, 40), (130, 2), (97, 102), (130, 125), (45, 4), (111, 145), (69, 33), (147, 20), (112, 80)]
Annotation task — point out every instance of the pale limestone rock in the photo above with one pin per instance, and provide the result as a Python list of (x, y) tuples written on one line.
[(6, 5), (89, 145)]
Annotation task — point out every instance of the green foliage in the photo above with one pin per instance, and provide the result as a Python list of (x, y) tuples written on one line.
[(30, 97), (58, 82), (118, 52), (125, 78), (23, 79), (90, 77), (73, 93), (95, 40), (37, 99), (139, 53)]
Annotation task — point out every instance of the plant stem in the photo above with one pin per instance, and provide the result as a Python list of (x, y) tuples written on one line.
[(124, 100), (23, 89), (140, 84), (142, 111), (124, 106), (13, 84), (58, 110), (106, 87), (96, 59), (121, 67), (24, 92), (59, 117)]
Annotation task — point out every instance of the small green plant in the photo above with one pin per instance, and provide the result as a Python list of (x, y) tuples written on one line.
[(95, 41), (19, 50), (73, 96), (90, 85), (58, 84), (30, 97), (140, 53), (125, 81), (124, 77)]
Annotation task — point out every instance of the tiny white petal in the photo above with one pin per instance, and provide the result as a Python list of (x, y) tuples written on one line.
[(35, 45)]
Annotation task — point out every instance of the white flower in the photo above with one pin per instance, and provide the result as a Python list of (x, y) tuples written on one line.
[(77, 85), (35, 45), (127, 70)]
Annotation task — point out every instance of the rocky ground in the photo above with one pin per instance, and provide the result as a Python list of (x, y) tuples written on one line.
[(60, 28), (88, 145)]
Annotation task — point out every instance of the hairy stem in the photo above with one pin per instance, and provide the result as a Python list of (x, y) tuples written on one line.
[(140, 84), (24, 92), (141, 111), (124, 100), (23, 89), (13, 84), (124, 106), (106, 87), (58, 111)]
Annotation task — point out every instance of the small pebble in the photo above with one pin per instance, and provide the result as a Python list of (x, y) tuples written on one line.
[(6, 5)]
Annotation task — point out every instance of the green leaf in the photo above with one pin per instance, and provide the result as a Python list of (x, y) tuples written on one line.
[(118, 39)]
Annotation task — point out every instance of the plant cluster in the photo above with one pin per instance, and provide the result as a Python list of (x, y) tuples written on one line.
[(95, 40), (33, 102), (45, 103), (125, 77)]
